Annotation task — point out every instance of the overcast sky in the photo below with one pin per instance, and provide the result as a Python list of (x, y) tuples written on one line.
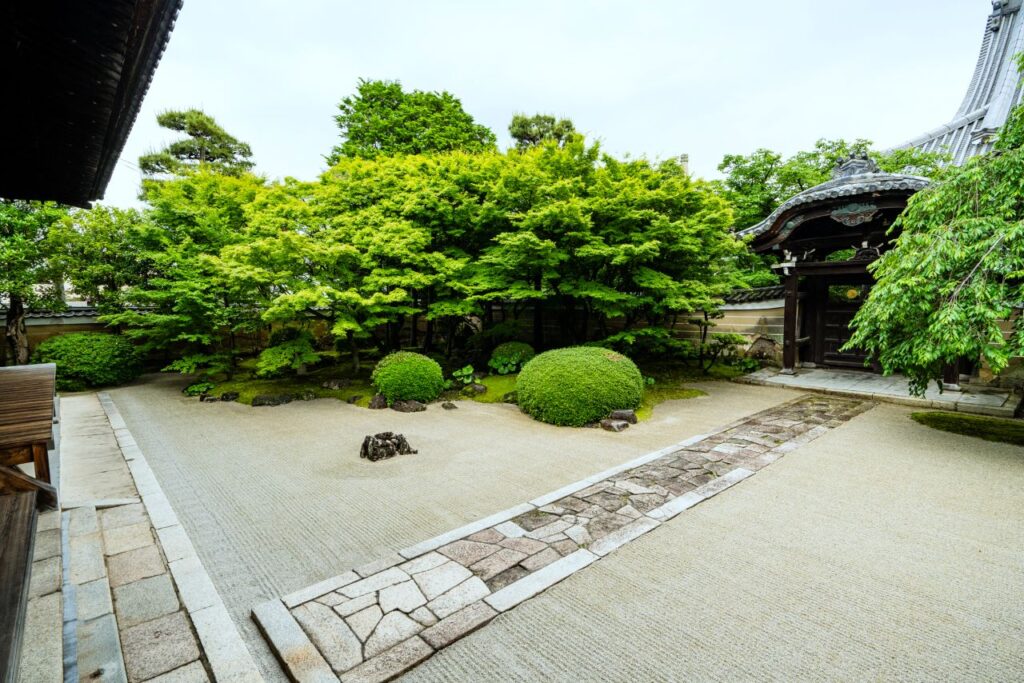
[(651, 78)]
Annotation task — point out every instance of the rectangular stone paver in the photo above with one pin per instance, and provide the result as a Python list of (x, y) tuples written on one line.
[(385, 617), (158, 646)]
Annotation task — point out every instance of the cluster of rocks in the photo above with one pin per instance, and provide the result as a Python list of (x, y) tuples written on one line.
[(385, 445), (281, 399), (378, 402)]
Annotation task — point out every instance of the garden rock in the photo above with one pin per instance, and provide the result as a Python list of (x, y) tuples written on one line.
[(378, 402), (510, 397), (271, 399), (448, 405), (352, 400), (408, 406), (306, 395), (474, 388), (614, 425), (385, 445), (229, 396), (334, 384), (624, 415)]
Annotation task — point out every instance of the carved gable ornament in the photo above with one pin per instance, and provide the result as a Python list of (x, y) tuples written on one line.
[(853, 215)]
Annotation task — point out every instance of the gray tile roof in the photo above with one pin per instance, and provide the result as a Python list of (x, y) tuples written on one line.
[(995, 90)]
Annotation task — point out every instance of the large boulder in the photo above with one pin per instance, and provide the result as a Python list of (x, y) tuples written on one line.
[(624, 415), (378, 402), (614, 425), (385, 445), (408, 406)]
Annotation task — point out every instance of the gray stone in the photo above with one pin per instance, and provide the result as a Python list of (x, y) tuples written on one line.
[(378, 402), (565, 547), (528, 546), (606, 523), (448, 405), (376, 582), (46, 577), (190, 673), (330, 634), (303, 661), (528, 586), (487, 536), (144, 600), (47, 544), (271, 399), (493, 565), (223, 645), (318, 589), (82, 521), (331, 599), (424, 616), (423, 563), (99, 651), (408, 406), (158, 646), (467, 552), (392, 629), (457, 625), (434, 582), (391, 663), (229, 396), (122, 515), (622, 536), (623, 415), (363, 622), (385, 445), (93, 600), (86, 558), (403, 596), (464, 594), (509, 576), (355, 604), (134, 565), (124, 538), (614, 425), (41, 649), (578, 534), (379, 565), (541, 559)]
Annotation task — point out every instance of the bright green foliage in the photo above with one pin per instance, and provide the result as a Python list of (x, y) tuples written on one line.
[(510, 357), (27, 272), (578, 385), (758, 183), (89, 359), (292, 354), (404, 375), (979, 426), (205, 144), (956, 272), (530, 131), (464, 375), (382, 119), (101, 252)]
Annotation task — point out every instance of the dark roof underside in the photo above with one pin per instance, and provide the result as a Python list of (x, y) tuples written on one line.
[(74, 75)]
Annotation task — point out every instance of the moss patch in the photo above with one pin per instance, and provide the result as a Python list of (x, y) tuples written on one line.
[(654, 395), (997, 429), (250, 387), (497, 387)]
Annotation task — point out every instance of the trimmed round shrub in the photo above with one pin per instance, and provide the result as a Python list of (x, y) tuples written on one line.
[(509, 357), (89, 359), (404, 375), (578, 385)]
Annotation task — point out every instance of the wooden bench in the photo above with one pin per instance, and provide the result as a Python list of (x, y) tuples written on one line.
[(18, 517), (28, 429)]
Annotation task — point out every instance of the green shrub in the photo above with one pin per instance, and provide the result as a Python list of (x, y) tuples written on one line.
[(89, 359), (404, 375), (288, 354), (509, 357), (578, 385)]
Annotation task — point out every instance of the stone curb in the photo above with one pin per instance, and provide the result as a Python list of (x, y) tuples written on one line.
[(223, 645)]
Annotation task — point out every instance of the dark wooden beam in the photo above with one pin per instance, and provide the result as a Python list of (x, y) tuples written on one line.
[(18, 518), (789, 343)]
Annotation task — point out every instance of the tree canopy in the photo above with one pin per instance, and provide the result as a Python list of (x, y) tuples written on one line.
[(383, 119), (205, 143), (530, 131), (953, 284)]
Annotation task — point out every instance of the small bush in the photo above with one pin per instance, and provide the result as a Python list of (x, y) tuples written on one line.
[(89, 359), (404, 375), (509, 357), (291, 354), (578, 385)]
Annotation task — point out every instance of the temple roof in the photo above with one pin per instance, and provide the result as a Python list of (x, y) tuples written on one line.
[(74, 74), (994, 91), (855, 177)]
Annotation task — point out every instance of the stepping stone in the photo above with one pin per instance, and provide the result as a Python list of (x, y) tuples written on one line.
[(467, 553), (331, 635), (362, 623), (463, 622), (436, 581), (462, 595), (498, 562), (403, 596), (392, 629)]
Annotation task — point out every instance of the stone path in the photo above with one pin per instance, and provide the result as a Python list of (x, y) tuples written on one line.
[(375, 622), (892, 389)]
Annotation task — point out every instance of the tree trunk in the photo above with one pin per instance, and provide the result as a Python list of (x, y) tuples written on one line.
[(354, 347), (15, 335)]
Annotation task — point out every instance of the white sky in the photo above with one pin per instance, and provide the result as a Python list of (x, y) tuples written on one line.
[(649, 78)]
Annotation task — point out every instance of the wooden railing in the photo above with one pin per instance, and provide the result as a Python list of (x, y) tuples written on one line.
[(29, 432)]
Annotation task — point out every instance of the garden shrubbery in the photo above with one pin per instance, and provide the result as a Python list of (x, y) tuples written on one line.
[(89, 359), (578, 385), (404, 375), (510, 356)]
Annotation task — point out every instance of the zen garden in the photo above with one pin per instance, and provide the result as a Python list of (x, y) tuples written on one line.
[(480, 403)]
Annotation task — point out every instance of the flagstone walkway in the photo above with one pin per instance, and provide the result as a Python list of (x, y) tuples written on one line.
[(375, 622)]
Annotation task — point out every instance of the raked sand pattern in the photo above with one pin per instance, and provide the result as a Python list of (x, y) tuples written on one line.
[(377, 621)]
